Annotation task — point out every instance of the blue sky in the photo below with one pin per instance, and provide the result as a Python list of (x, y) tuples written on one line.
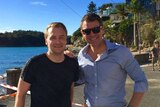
[(37, 14)]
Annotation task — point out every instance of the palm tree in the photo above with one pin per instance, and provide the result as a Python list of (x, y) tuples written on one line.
[(154, 1), (134, 8), (157, 2), (121, 9)]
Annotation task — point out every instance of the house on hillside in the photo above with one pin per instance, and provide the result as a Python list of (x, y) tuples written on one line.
[(110, 13)]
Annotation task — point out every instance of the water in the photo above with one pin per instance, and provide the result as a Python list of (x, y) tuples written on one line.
[(15, 57)]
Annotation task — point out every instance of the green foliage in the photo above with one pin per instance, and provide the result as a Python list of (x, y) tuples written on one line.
[(122, 31), (121, 9), (148, 34), (157, 33), (119, 32), (110, 30), (22, 38), (92, 7), (77, 39), (154, 1), (76, 35), (134, 6), (124, 24)]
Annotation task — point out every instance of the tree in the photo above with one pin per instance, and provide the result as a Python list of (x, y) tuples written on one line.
[(121, 9), (154, 1), (110, 31), (22, 38), (148, 35), (92, 7), (76, 35), (77, 39), (134, 7), (123, 30), (157, 33)]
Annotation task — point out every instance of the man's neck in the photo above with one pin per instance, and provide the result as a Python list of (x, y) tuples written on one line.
[(96, 51), (57, 58)]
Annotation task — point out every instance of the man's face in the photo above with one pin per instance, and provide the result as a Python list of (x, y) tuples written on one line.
[(156, 45), (92, 32), (56, 40)]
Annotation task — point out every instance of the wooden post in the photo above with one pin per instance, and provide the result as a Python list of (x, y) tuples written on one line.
[(12, 78)]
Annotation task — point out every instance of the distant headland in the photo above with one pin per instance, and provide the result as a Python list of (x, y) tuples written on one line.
[(21, 38)]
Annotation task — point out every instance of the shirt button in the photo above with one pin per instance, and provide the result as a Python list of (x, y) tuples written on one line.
[(95, 74), (96, 97)]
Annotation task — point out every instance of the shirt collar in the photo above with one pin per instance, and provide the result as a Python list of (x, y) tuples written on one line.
[(110, 46)]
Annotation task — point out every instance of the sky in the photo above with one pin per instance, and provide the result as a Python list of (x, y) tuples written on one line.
[(35, 15)]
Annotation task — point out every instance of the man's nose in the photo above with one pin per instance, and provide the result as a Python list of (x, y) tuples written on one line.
[(57, 40)]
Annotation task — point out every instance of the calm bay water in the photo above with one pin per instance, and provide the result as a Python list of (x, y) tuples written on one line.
[(13, 57)]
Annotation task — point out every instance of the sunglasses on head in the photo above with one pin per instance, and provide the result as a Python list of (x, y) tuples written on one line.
[(95, 30)]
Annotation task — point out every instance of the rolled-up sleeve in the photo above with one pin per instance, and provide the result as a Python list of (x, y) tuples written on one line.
[(137, 75)]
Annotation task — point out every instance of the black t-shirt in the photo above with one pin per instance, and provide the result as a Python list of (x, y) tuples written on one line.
[(50, 82), (155, 52)]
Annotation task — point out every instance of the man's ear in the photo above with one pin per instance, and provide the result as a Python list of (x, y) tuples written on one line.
[(81, 32), (103, 30), (45, 42)]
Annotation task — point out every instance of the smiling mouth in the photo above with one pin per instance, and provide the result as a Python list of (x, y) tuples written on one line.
[(94, 39), (58, 46)]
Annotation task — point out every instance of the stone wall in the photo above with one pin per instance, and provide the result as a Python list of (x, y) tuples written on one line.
[(142, 58)]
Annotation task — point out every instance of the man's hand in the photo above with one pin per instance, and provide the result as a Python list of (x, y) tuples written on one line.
[(69, 53)]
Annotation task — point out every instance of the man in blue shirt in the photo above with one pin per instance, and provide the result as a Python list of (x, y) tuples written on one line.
[(105, 66)]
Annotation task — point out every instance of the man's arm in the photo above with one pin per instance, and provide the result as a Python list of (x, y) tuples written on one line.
[(69, 53), (136, 99), (23, 87)]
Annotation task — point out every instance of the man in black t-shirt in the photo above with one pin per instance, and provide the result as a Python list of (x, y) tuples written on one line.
[(155, 54), (50, 76)]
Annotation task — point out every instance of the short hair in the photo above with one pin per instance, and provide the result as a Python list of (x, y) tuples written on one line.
[(55, 25), (156, 42), (90, 17)]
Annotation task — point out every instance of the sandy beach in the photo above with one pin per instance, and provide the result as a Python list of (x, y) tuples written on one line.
[(151, 98)]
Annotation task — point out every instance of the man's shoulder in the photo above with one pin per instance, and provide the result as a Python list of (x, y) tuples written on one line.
[(120, 48), (121, 52), (37, 57), (74, 59)]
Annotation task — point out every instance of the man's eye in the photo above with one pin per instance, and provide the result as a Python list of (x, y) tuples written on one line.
[(62, 38), (52, 38)]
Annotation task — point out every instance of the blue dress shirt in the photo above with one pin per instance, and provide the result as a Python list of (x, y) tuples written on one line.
[(106, 76)]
